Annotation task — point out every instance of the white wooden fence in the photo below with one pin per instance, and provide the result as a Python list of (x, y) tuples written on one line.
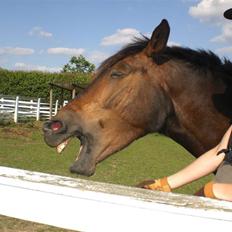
[(18, 108), (92, 206)]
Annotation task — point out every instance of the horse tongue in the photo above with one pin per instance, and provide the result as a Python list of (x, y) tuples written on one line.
[(61, 146)]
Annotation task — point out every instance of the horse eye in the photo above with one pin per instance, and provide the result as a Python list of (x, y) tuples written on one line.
[(116, 74)]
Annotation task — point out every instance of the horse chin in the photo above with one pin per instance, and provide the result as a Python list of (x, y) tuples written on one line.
[(79, 168), (84, 163), (88, 157)]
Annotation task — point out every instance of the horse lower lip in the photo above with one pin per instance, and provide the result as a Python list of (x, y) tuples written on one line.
[(82, 140)]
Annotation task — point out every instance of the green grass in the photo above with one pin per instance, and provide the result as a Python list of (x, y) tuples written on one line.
[(154, 156), (15, 225)]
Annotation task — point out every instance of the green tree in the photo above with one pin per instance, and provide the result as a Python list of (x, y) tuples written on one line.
[(79, 64)]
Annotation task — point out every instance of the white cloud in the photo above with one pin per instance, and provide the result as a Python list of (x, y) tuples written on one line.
[(17, 51), (32, 67), (122, 36), (226, 35), (210, 10), (38, 31), (3, 61), (224, 50), (41, 51), (66, 51), (97, 57), (172, 43)]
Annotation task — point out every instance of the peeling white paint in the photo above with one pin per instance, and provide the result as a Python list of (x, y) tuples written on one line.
[(92, 206)]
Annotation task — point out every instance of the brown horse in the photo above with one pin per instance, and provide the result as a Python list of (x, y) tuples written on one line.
[(147, 87)]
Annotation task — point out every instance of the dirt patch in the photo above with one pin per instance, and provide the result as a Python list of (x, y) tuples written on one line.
[(15, 225), (15, 133)]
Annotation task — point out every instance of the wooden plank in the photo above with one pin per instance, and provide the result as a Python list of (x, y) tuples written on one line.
[(92, 206)]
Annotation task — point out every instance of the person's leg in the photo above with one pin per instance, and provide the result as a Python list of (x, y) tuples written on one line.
[(221, 186), (223, 191), (220, 191)]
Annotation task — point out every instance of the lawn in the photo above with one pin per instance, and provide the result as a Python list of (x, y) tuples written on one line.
[(153, 156)]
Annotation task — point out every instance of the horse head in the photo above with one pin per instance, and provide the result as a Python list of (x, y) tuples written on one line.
[(122, 104)]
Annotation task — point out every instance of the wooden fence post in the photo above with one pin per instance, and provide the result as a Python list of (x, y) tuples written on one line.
[(56, 107), (50, 103), (31, 106), (16, 109), (1, 100), (73, 93), (38, 110)]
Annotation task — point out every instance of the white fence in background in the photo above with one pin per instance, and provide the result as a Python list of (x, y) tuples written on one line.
[(92, 206), (18, 108)]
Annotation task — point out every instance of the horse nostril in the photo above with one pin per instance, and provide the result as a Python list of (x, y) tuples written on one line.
[(53, 126)]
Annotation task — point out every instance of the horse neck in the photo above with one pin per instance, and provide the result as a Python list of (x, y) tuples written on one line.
[(194, 123)]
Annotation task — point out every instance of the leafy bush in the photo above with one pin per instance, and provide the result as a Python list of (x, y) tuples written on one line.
[(36, 84), (79, 64)]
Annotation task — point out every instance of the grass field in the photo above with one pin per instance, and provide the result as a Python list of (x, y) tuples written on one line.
[(153, 156)]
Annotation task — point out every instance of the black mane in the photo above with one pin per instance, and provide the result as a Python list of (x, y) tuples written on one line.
[(198, 59), (201, 59)]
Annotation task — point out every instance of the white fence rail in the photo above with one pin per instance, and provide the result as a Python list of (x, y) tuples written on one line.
[(18, 108), (92, 206)]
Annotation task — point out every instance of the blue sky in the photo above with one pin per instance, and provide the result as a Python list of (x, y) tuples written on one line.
[(44, 34)]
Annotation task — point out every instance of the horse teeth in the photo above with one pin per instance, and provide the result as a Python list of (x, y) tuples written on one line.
[(79, 152), (61, 146)]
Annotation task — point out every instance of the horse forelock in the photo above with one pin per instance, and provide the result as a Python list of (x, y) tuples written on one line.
[(133, 48)]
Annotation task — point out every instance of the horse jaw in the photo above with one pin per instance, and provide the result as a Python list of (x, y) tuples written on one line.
[(97, 148)]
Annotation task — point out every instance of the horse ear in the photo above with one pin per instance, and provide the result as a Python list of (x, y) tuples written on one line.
[(158, 39)]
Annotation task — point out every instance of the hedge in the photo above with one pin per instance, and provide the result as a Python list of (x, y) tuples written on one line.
[(36, 84)]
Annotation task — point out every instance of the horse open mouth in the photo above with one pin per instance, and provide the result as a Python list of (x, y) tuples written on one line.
[(58, 134), (83, 145)]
